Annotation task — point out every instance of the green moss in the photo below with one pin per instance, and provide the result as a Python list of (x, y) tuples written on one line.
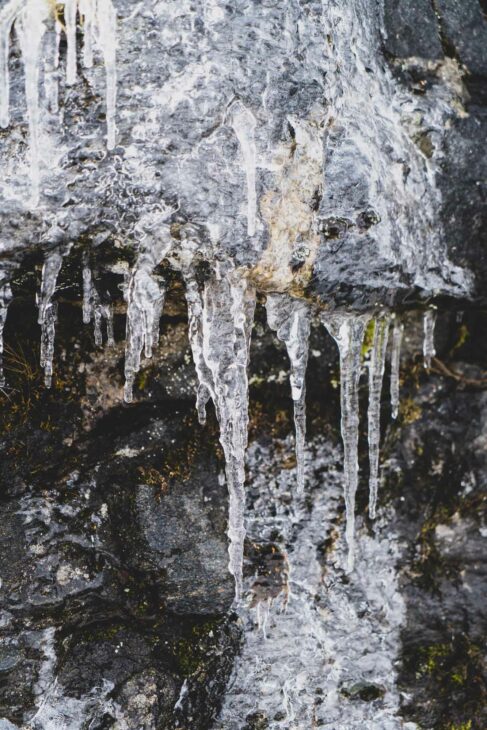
[(368, 339)]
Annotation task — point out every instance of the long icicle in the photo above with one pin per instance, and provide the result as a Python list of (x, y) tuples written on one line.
[(429, 351), (7, 17), (30, 29), (94, 309), (194, 299), (376, 376), (145, 296), (5, 299), (348, 331), (48, 312), (107, 41), (70, 13), (397, 334), (228, 313), (290, 319)]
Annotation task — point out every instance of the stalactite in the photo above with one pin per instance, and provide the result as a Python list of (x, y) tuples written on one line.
[(376, 376), (348, 331), (290, 319)]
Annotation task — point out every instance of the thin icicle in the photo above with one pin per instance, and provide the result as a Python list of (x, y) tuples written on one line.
[(70, 13), (397, 333), (5, 299), (228, 312), (244, 123), (51, 68), (429, 351), (86, 9), (30, 29), (145, 295), (348, 331), (290, 319), (7, 17), (376, 376), (94, 309), (194, 299), (48, 310), (107, 40)]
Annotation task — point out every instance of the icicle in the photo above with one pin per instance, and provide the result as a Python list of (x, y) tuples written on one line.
[(30, 29), (107, 40), (376, 376), (243, 123), (194, 300), (94, 309), (289, 318), (348, 332), (145, 300), (70, 11), (5, 299), (7, 17), (48, 311), (86, 9), (397, 333), (228, 311), (429, 322), (51, 66)]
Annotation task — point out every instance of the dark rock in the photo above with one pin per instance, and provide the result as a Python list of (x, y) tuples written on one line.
[(411, 29)]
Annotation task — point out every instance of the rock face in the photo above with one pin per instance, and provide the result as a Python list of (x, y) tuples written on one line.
[(331, 150)]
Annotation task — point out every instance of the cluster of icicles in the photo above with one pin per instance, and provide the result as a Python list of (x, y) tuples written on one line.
[(220, 315), (31, 20)]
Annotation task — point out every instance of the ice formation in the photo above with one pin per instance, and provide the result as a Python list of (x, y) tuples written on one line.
[(376, 376), (348, 332), (221, 340), (48, 311), (397, 333), (243, 123), (93, 309), (429, 322), (31, 18), (145, 295), (194, 299), (290, 319), (5, 299)]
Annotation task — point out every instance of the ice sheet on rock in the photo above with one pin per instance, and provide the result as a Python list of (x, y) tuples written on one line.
[(227, 318), (376, 376), (348, 332), (429, 321), (244, 123), (94, 309), (397, 334), (145, 295), (290, 319), (5, 299)]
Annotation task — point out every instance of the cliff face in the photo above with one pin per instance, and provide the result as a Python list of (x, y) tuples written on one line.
[(327, 156)]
